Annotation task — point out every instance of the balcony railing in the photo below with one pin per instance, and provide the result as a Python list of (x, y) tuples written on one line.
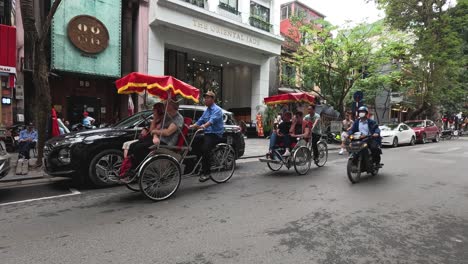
[(199, 3), (229, 8), (259, 23)]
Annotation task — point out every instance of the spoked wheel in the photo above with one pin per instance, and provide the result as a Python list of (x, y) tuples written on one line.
[(413, 141), (133, 183), (160, 178), (323, 154), (302, 160), (354, 170), (223, 163), (272, 165), (105, 166)]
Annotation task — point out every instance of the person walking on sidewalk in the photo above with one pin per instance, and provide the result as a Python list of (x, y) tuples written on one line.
[(27, 141), (347, 125), (212, 122)]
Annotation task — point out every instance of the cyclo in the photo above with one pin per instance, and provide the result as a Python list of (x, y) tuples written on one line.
[(301, 151), (159, 175)]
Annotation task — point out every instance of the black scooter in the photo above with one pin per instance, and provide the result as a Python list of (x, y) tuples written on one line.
[(360, 158)]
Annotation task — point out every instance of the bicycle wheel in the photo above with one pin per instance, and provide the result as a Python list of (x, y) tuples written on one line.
[(323, 154), (223, 163), (302, 160), (133, 184), (275, 166), (160, 178)]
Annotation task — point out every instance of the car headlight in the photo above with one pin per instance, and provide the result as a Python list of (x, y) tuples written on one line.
[(64, 155)]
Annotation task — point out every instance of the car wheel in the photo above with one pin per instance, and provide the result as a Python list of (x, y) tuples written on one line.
[(424, 139), (105, 166), (413, 141), (437, 138), (395, 142)]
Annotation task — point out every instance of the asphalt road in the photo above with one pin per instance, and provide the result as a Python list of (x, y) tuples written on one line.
[(414, 211)]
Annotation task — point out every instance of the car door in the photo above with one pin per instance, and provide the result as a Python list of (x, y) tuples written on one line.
[(407, 133)]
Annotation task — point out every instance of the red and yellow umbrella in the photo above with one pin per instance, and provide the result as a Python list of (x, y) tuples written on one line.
[(163, 87), (289, 98)]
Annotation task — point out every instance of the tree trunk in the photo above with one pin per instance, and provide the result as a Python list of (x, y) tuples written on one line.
[(40, 68), (43, 100)]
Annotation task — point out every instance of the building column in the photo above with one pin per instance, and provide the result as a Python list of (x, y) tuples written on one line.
[(260, 86), (155, 52)]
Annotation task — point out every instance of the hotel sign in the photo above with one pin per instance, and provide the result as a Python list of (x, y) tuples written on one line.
[(88, 34), (225, 32)]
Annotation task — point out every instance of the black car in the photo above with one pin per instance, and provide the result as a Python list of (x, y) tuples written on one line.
[(96, 154)]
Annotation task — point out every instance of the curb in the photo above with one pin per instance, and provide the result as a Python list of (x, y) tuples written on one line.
[(29, 181), (27, 178)]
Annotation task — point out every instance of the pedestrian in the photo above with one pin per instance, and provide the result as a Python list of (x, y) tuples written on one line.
[(87, 120), (347, 124)]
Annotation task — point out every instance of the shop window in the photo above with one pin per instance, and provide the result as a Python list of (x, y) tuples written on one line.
[(205, 77), (284, 12), (260, 16), (229, 5)]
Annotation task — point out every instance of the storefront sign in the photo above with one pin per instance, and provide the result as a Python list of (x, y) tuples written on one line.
[(8, 69), (88, 34), (86, 37), (225, 32)]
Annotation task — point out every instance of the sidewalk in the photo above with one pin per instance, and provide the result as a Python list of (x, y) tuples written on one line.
[(258, 147), (34, 173)]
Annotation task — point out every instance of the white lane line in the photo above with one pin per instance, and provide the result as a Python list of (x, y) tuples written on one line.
[(73, 192)]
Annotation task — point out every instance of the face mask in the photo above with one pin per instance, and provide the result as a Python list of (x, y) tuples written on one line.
[(362, 115)]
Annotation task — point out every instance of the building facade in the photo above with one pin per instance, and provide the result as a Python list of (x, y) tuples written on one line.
[(7, 62), (289, 73), (220, 45), (92, 43)]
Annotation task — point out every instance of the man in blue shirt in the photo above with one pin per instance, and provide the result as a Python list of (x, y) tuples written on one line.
[(368, 127), (212, 122), (27, 140)]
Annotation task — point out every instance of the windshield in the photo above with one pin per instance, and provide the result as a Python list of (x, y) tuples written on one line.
[(415, 124), (133, 120), (388, 127)]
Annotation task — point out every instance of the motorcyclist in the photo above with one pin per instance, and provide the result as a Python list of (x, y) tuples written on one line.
[(368, 127)]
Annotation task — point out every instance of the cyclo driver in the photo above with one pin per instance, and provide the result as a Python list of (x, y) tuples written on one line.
[(368, 127), (212, 122)]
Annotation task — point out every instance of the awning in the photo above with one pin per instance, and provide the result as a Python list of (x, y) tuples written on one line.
[(8, 53)]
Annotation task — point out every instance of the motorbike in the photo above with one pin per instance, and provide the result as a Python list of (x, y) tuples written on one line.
[(80, 127), (360, 158), (11, 137)]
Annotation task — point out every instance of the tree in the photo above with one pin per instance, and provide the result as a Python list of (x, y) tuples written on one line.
[(38, 37), (337, 64), (437, 50)]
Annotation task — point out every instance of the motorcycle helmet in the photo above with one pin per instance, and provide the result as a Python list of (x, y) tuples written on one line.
[(363, 109)]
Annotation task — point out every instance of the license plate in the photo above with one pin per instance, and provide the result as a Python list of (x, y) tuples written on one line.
[(229, 140)]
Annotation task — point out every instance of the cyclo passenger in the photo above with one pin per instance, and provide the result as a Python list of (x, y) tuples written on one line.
[(368, 127), (281, 134), (167, 134), (311, 125), (212, 122)]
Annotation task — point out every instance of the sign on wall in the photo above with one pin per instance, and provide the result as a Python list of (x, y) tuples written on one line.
[(86, 37)]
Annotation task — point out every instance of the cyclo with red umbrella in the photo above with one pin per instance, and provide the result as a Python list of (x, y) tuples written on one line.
[(301, 150), (159, 175)]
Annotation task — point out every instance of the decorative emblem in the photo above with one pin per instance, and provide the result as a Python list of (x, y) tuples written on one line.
[(88, 34)]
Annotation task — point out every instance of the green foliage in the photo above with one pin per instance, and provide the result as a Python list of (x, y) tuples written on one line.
[(440, 49), (352, 59)]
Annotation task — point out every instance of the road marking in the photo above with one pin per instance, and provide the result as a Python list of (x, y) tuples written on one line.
[(73, 192)]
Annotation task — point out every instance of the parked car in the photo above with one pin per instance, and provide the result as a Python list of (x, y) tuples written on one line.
[(96, 154), (397, 134), (4, 160), (425, 130)]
